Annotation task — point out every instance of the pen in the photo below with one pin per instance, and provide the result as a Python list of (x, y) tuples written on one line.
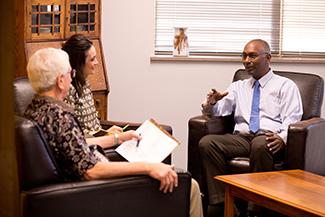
[(138, 142), (126, 126)]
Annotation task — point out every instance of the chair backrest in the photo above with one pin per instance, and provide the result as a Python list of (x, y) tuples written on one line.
[(311, 89), (23, 94), (36, 164)]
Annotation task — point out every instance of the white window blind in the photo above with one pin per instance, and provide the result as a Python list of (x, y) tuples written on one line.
[(217, 27), (303, 27)]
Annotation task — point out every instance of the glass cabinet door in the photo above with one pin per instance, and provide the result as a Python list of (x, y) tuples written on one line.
[(82, 17), (45, 19)]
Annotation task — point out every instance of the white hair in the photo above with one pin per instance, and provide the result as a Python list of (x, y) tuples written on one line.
[(44, 67)]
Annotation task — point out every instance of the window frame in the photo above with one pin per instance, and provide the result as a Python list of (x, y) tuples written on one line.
[(278, 56)]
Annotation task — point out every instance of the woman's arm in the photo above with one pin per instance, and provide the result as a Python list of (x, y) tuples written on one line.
[(113, 140)]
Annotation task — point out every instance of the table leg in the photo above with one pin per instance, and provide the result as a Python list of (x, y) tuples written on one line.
[(229, 203)]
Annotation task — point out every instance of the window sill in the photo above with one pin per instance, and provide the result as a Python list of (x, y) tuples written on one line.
[(234, 59)]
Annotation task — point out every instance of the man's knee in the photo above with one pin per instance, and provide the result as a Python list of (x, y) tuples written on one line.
[(195, 188), (214, 144), (261, 158), (258, 146), (195, 200), (259, 150), (204, 144)]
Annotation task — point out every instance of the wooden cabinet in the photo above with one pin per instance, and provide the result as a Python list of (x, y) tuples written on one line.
[(48, 23), (59, 19)]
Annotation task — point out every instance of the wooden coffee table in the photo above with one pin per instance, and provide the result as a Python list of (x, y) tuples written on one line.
[(291, 192)]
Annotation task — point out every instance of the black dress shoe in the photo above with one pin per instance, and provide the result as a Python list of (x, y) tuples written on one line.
[(222, 205), (218, 205), (253, 214)]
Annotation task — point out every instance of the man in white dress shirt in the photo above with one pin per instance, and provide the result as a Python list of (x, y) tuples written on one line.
[(278, 105)]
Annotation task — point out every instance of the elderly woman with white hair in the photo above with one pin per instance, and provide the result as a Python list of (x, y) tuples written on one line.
[(50, 75)]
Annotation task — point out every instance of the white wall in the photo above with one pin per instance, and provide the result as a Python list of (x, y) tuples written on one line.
[(168, 92)]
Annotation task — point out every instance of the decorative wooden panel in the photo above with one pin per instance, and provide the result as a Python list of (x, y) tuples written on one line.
[(45, 20), (82, 17), (47, 23)]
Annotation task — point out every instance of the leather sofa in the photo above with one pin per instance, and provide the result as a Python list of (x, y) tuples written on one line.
[(305, 143), (44, 192), (24, 93)]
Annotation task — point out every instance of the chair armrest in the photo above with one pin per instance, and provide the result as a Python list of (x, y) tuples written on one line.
[(132, 126), (118, 197), (196, 130), (107, 124), (200, 126), (306, 146)]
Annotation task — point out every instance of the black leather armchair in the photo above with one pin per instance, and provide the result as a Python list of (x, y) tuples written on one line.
[(306, 139), (24, 93), (43, 191)]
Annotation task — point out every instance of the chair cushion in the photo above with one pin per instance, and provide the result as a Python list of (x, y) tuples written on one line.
[(238, 165), (241, 165)]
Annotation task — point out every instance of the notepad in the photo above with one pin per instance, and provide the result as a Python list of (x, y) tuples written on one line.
[(156, 144)]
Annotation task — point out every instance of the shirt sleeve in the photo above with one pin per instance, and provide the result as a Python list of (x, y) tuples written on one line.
[(223, 107), (73, 146), (206, 110), (291, 107)]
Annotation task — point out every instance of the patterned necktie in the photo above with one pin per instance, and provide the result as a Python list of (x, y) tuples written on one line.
[(254, 122)]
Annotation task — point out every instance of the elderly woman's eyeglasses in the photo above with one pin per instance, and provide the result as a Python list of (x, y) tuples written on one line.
[(73, 73), (251, 55)]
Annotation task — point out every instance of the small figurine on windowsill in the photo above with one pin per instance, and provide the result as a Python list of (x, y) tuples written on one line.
[(180, 42)]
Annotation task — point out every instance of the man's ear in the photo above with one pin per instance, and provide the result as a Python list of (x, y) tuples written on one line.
[(60, 81), (268, 57)]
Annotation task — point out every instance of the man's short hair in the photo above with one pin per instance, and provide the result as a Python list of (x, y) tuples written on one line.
[(264, 43), (44, 67)]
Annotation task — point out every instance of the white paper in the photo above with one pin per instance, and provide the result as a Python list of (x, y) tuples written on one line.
[(154, 147)]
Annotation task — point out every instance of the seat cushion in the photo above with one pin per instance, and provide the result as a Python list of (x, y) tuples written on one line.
[(241, 165)]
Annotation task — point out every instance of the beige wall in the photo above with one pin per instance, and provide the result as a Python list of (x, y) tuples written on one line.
[(169, 92)]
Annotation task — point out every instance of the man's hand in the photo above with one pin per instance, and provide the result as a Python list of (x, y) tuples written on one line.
[(214, 96), (165, 174), (276, 142)]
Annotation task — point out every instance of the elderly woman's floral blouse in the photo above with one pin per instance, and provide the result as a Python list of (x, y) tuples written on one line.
[(64, 135)]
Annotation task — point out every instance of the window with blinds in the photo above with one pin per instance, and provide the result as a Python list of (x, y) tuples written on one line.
[(216, 27)]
